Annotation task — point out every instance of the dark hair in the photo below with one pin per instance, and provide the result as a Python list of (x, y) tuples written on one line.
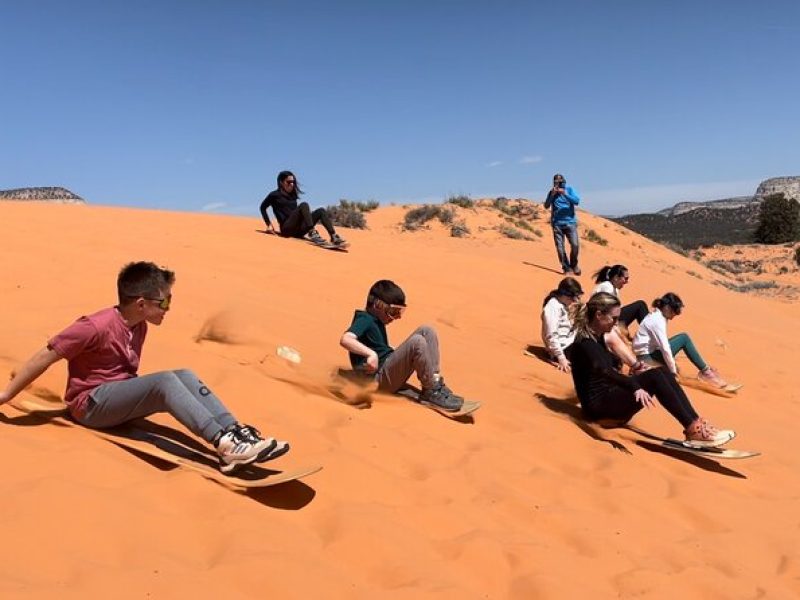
[(669, 299), (142, 279), (601, 302), (387, 291), (283, 176), (560, 177), (609, 271), (568, 286)]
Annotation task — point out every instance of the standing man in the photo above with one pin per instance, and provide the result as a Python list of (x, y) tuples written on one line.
[(563, 200)]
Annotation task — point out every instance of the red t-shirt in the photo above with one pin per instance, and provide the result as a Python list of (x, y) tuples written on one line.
[(99, 348)]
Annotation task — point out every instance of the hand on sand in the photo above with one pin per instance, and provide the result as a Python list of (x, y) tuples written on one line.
[(564, 365)]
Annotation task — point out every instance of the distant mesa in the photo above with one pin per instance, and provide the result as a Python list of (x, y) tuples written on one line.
[(42, 194), (727, 221)]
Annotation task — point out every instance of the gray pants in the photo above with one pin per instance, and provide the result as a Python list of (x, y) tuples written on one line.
[(420, 353), (179, 393)]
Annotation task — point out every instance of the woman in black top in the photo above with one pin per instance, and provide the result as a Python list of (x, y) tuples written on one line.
[(296, 220), (605, 393)]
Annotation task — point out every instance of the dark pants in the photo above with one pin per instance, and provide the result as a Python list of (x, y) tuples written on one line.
[(620, 403), (302, 220), (571, 233), (636, 311)]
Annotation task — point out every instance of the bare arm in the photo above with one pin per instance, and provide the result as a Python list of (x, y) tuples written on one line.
[(350, 343), (28, 373)]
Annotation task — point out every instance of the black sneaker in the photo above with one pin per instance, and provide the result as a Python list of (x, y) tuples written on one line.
[(440, 398), (448, 391), (315, 238), (338, 240)]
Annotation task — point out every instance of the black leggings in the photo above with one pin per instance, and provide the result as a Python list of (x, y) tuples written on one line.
[(636, 311), (302, 220), (620, 404)]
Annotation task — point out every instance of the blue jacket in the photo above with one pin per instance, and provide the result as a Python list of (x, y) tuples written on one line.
[(563, 206)]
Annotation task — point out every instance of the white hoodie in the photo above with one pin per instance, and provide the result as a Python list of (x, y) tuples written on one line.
[(557, 329)]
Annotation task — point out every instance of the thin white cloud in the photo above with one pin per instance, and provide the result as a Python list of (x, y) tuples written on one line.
[(494, 163), (214, 206), (530, 160)]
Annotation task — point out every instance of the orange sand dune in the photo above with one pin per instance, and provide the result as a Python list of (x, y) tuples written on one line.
[(522, 503)]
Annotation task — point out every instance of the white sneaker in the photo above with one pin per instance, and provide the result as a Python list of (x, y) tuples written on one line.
[(703, 434), (234, 451)]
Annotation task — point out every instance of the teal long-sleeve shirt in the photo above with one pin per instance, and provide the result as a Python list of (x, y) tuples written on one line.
[(563, 206)]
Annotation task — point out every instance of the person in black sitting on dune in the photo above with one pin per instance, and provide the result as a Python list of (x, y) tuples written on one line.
[(606, 394), (296, 220)]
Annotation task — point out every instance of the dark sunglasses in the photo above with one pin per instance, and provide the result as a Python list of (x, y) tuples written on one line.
[(290, 181), (163, 303)]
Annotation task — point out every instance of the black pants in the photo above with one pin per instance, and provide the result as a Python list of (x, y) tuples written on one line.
[(636, 311), (302, 220), (620, 404)]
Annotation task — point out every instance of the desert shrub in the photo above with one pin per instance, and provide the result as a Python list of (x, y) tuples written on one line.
[(783, 270), (462, 201), (750, 286), (512, 232), (518, 209), (693, 274), (416, 218), (459, 229), (347, 215), (735, 266), (592, 236), (797, 255), (678, 249), (778, 220)]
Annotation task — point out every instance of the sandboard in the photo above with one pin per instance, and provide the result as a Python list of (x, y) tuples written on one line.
[(467, 408), (326, 246), (411, 393), (684, 446), (171, 451)]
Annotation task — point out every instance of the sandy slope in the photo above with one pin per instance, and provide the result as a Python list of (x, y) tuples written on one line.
[(521, 504)]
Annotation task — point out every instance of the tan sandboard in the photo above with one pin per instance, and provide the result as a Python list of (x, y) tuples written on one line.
[(685, 446), (467, 408), (325, 246), (411, 393), (171, 451)]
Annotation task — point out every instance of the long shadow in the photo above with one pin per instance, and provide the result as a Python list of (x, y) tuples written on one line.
[(541, 353), (542, 267), (573, 412), (702, 462), (177, 443)]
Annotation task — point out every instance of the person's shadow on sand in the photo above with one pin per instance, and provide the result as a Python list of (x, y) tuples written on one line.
[(572, 411), (292, 495), (542, 267)]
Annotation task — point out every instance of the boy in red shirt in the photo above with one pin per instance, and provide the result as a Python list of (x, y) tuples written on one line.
[(103, 389)]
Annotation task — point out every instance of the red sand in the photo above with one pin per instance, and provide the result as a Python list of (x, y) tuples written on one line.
[(520, 504)]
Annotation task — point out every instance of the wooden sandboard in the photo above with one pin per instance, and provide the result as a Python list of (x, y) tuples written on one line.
[(684, 446), (171, 451)]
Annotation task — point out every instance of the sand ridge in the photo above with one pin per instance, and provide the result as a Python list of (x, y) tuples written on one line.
[(521, 503)]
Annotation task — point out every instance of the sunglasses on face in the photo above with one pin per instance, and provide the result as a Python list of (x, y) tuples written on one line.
[(163, 303), (289, 182), (395, 311)]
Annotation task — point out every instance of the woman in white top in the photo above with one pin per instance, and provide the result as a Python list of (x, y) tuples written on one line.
[(652, 344), (558, 329), (611, 279)]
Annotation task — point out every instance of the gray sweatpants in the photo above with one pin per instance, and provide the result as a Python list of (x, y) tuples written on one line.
[(420, 353), (179, 393)]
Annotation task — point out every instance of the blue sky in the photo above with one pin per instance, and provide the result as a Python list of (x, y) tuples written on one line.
[(196, 105)]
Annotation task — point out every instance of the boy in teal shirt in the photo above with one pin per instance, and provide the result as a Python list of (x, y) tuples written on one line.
[(370, 353)]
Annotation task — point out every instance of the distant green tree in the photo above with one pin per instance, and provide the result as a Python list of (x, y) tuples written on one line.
[(778, 220)]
